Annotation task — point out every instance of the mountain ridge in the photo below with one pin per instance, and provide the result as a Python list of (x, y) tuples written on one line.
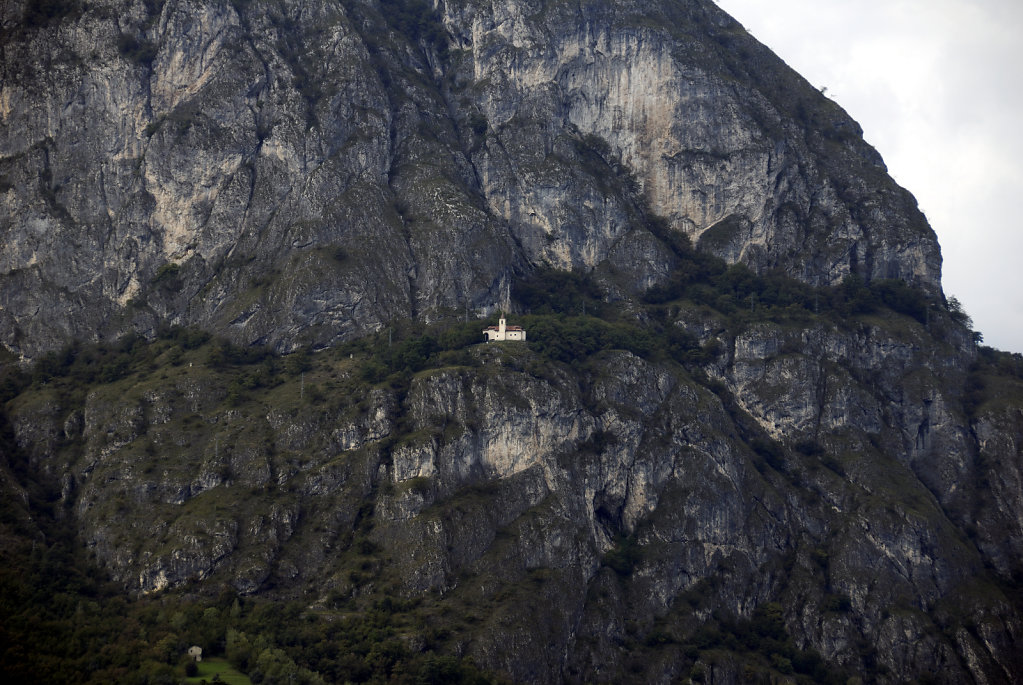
[(309, 159), (251, 247)]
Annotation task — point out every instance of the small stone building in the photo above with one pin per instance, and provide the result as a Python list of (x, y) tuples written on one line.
[(502, 331), (195, 652)]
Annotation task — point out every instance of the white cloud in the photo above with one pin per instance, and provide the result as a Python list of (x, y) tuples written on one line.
[(936, 86)]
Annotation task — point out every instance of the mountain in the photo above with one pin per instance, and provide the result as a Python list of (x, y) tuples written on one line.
[(304, 174), (249, 248)]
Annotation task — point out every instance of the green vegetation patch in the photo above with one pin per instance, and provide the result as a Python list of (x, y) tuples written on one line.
[(40, 13), (218, 670), (764, 637), (995, 381)]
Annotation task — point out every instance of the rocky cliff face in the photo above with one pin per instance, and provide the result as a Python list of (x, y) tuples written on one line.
[(288, 174), (628, 500), (563, 513)]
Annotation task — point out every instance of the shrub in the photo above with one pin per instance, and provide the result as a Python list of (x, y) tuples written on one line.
[(837, 603), (44, 12), (131, 48), (781, 664), (901, 297), (834, 464), (552, 291), (624, 557), (168, 277), (770, 450), (809, 447), (768, 621)]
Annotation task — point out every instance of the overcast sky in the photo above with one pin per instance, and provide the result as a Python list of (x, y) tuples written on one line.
[(937, 86)]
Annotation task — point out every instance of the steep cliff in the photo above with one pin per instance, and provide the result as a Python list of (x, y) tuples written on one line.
[(593, 520), (800, 466), (289, 173)]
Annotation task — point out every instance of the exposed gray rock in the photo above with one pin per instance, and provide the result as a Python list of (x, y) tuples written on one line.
[(293, 174), (300, 174), (511, 473)]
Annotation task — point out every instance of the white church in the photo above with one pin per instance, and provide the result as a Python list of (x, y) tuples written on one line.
[(502, 331)]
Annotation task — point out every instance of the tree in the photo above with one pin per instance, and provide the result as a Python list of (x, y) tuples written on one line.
[(958, 312)]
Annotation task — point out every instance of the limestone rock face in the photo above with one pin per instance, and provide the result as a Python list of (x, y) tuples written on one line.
[(565, 511), (301, 174)]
